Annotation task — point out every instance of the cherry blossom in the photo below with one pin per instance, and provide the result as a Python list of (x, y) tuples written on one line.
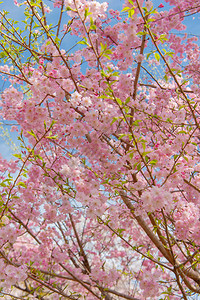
[(102, 200)]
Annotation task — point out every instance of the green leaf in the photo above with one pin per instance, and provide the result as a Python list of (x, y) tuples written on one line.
[(52, 123), (91, 21), (157, 56), (52, 137), (145, 10), (150, 20), (149, 54), (32, 133), (166, 53), (2, 54), (107, 56), (115, 119), (119, 101), (121, 136), (68, 8), (85, 42), (17, 155), (136, 122), (93, 27), (153, 162), (141, 33), (57, 40), (87, 13), (166, 78), (131, 12), (126, 108), (22, 184), (169, 120), (103, 47), (127, 100), (126, 9)]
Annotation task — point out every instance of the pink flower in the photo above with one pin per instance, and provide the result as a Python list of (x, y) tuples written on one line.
[(16, 3), (149, 5), (47, 9), (161, 6), (65, 170), (57, 3), (139, 58)]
